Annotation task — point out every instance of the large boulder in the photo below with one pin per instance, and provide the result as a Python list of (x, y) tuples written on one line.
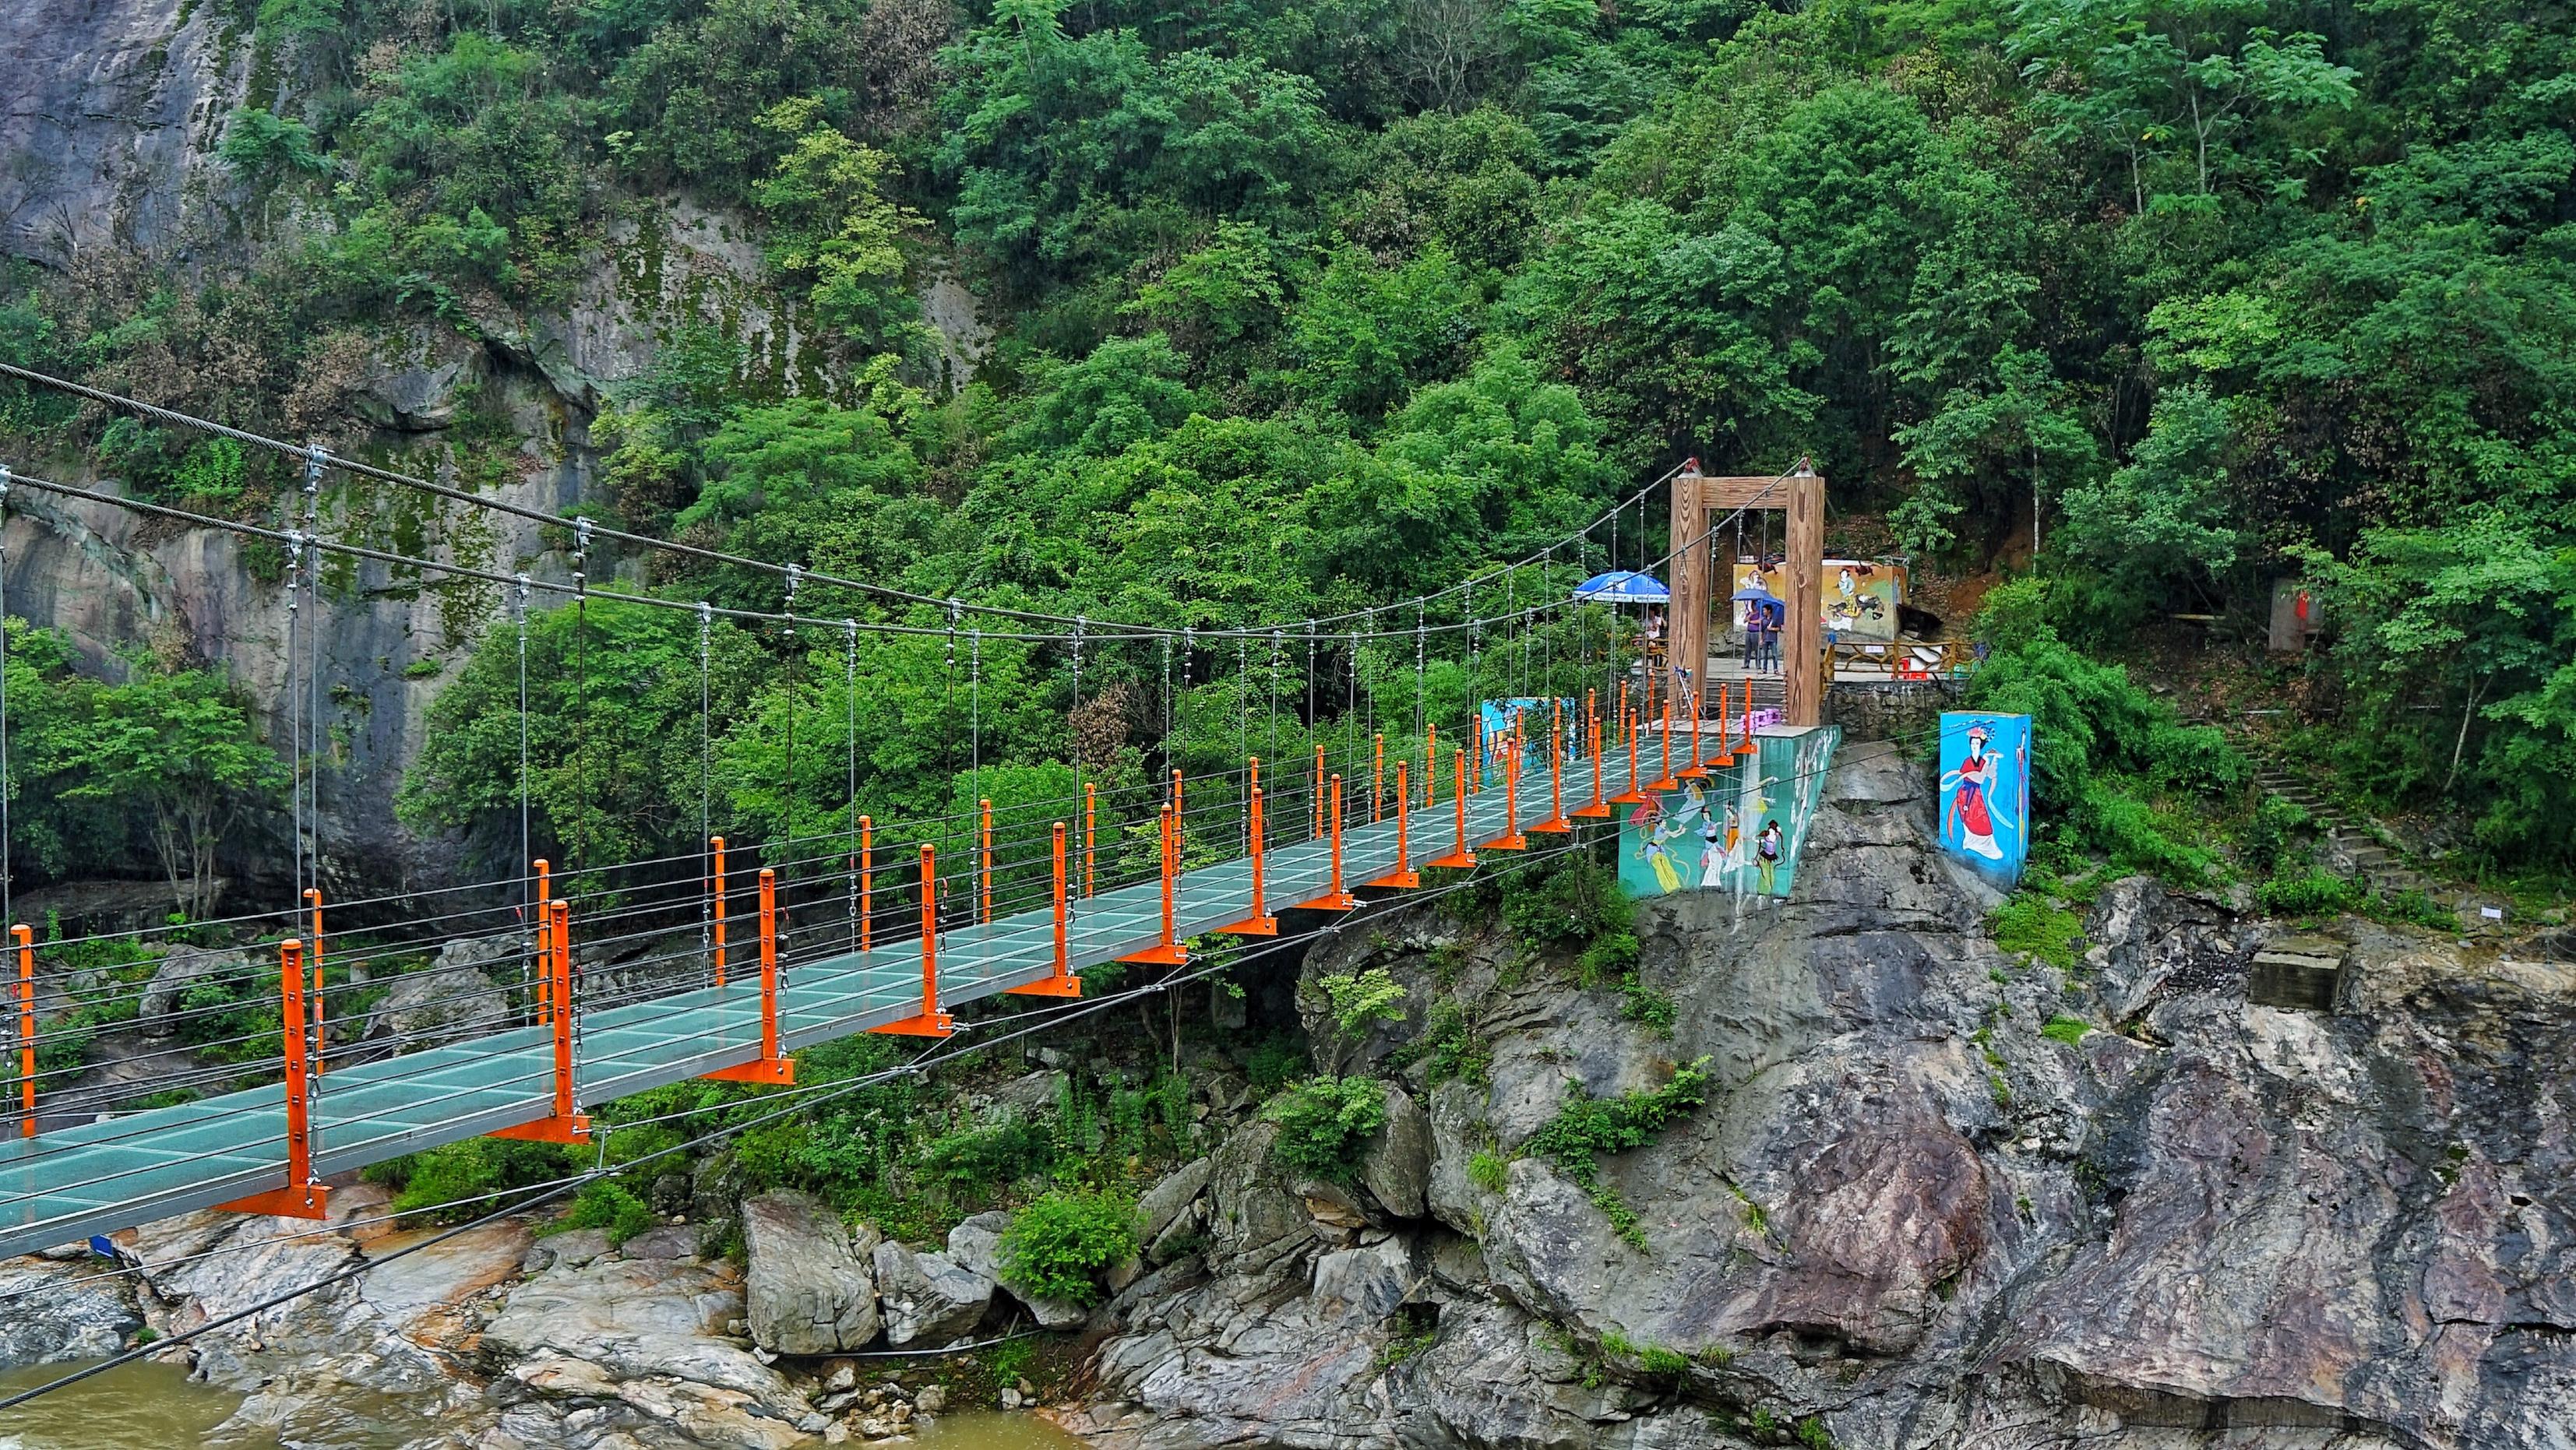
[(164, 997), (1166, 1200), (809, 1289), (975, 1246), (455, 998), (926, 1297), (1396, 1164), (61, 1312)]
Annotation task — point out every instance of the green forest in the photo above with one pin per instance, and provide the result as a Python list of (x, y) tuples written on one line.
[(1304, 306)]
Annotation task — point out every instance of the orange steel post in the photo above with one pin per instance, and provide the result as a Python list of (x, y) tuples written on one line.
[(1598, 809), (1403, 877), (321, 1039), (1377, 781), (1315, 798), (1631, 796), (1430, 765), (1695, 770), (1556, 824), (1511, 839), (1745, 745), (1460, 859), (302, 1197), (867, 884), (1725, 736), (1260, 922), (1168, 952), (26, 1029), (929, 1021), (984, 864), (771, 1066), (545, 957), (1666, 781), (718, 843), (1090, 834), (565, 1124), (1064, 983), (1334, 899)]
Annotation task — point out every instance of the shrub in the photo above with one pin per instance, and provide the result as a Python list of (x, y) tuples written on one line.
[(1359, 999), (1322, 1123), (1057, 1247), (2307, 893), (1487, 1170), (1587, 1127), (456, 1181), (2269, 837), (2034, 926), (1647, 1007), (1272, 1065), (1577, 901), (2069, 1030), (605, 1205), (986, 1156)]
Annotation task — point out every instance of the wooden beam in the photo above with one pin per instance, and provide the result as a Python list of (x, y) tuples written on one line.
[(1686, 618), (1743, 493)]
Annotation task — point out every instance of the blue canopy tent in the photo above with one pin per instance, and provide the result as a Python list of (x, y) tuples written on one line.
[(1622, 586)]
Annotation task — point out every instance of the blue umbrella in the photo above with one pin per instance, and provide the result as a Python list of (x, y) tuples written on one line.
[(1623, 586), (1755, 591)]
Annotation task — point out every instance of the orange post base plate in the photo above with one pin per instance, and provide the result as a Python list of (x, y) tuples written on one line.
[(920, 1024), (1048, 987), (1159, 956), (1506, 843), (769, 1071), (1396, 881), (1455, 861), (1330, 901), (1253, 926), (575, 1129), (312, 1201)]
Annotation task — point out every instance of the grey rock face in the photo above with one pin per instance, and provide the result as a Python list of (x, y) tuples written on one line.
[(1397, 1165), (975, 1245), (1164, 1201), (924, 1297), (456, 998), (183, 968), (1906, 1214), (61, 1313), (808, 1289)]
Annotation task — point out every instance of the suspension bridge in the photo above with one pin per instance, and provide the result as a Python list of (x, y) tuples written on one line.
[(262, 1097)]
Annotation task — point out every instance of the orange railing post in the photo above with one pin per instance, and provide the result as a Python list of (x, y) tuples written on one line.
[(1377, 780), (302, 1197), (1260, 922), (867, 883), (1460, 859), (1334, 898), (1695, 770), (1402, 878), (545, 958), (1725, 735), (26, 1029), (772, 1066), (321, 1038), (1064, 983), (1665, 781), (1090, 834), (1509, 747), (1315, 798), (1630, 796), (1598, 808), (719, 843), (929, 1021), (984, 864), (1556, 824), (1168, 952), (565, 1124), (1430, 765)]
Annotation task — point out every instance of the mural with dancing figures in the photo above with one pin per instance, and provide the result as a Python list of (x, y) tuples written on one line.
[(1739, 830), (1985, 792)]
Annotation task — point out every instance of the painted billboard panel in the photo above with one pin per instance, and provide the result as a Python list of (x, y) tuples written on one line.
[(1985, 792), (1533, 715), (1860, 598), (1740, 830)]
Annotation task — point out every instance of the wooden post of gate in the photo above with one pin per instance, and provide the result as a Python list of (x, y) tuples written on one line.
[(26, 1029), (1801, 497), (302, 1197), (772, 1066), (564, 1124), (929, 1021), (1064, 983)]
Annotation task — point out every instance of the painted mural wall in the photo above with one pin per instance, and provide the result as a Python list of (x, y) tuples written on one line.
[(1985, 792), (1741, 830), (1860, 597), (1535, 715)]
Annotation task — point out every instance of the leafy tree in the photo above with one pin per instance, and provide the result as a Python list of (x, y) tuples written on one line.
[(179, 744), (834, 228)]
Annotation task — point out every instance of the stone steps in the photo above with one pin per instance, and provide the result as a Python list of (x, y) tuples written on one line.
[(2372, 862)]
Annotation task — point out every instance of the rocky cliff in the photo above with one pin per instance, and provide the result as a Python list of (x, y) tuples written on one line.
[(1906, 1215)]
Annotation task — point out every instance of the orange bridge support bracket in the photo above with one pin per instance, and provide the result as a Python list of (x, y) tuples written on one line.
[(302, 1197), (929, 1021), (565, 1124), (771, 1068), (1064, 983)]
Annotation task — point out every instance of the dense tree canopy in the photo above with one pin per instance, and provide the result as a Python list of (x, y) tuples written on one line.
[(1304, 304)]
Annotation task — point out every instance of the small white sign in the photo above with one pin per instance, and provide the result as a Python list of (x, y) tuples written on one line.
[(2492, 913)]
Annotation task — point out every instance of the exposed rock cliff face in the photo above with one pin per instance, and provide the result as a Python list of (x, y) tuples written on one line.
[(1905, 1217)]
